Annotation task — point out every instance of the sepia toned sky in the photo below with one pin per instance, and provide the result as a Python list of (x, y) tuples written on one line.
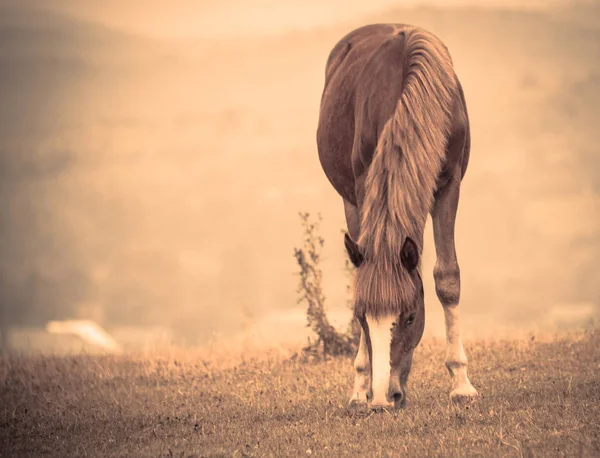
[(155, 156), (187, 19)]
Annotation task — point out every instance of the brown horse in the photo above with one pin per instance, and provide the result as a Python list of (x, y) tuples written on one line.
[(393, 140)]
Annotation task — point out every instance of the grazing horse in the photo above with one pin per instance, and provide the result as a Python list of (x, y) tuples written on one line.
[(393, 140)]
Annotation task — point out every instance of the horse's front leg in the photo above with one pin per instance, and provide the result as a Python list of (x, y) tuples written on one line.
[(362, 367), (362, 364), (447, 285)]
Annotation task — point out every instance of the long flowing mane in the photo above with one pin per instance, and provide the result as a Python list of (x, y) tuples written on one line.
[(402, 178)]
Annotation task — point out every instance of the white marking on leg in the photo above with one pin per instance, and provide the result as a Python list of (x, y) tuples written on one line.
[(380, 332), (456, 359), (362, 381)]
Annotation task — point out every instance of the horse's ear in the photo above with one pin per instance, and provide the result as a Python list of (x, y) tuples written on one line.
[(354, 253), (409, 254)]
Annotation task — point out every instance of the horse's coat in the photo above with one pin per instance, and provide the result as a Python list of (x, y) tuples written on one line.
[(393, 139)]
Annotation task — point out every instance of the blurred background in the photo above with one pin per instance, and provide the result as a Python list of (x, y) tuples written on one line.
[(154, 157)]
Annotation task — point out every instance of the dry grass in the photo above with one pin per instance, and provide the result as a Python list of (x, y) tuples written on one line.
[(538, 399)]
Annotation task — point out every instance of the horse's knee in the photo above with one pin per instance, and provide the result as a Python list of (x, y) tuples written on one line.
[(447, 283), (361, 365)]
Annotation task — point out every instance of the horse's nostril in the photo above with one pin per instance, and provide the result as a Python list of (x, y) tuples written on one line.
[(398, 399)]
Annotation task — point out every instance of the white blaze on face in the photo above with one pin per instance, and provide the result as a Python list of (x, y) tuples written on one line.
[(380, 333)]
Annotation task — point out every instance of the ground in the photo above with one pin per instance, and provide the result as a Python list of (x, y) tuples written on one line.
[(538, 398)]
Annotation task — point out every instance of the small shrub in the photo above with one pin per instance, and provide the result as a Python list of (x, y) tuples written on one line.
[(310, 292)]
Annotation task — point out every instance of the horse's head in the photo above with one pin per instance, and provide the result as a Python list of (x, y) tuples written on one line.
[(390, 308)]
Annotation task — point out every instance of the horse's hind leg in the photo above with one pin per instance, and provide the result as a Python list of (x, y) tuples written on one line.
[(447, 283), (362, 364)]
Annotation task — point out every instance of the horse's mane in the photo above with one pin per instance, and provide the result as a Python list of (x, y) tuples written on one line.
[(402, 178)]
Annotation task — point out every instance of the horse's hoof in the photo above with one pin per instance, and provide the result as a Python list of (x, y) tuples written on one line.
[(357, 400), (464, 395)]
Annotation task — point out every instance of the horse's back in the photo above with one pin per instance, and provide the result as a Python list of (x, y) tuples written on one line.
[(363, 82), (368, 36)]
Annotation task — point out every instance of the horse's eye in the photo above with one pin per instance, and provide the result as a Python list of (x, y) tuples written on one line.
[(410, 320)]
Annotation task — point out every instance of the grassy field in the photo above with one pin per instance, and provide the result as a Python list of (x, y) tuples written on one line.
[(538, 399)]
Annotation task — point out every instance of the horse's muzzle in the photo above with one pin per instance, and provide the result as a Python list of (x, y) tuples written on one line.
[(395, 401)]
